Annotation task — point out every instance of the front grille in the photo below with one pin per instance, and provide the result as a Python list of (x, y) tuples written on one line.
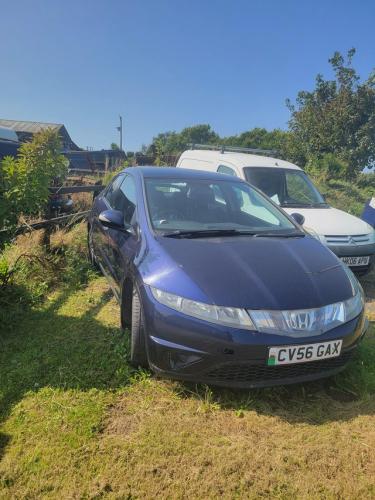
[(245, 372), (357, 239)]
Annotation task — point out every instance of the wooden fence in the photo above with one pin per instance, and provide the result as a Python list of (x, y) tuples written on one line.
[(71, 219)]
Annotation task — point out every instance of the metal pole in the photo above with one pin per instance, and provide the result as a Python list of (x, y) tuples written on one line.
[(120, 129)]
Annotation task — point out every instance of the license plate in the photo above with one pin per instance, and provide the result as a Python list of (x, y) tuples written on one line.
[(356, 261), (291, 354)]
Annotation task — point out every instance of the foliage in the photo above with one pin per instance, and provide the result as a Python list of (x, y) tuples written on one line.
[(175, 142), (327, 166), (338, 118), (28, 272), (345, 195), (259, 138), (24, 180), (115, 147)]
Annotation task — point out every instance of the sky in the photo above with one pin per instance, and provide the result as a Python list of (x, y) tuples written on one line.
[(167, 64)]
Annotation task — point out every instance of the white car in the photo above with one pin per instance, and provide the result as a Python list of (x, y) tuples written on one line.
[(350, 238)]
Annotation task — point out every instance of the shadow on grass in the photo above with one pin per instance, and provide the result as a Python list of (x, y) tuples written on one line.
[(46, 348)]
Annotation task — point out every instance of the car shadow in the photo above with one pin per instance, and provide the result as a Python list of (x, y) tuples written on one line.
[(50, 349)]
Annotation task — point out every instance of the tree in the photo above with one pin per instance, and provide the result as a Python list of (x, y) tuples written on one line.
[(24, 180), (176, 142), (259, 138), (114, 146), (337, 118)]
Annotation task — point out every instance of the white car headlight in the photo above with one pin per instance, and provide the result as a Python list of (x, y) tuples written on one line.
[(228, 316)]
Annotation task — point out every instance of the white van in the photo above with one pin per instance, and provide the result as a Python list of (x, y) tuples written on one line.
[(352, 239)]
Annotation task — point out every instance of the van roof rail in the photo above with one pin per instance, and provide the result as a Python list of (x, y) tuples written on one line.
[(233, 149)]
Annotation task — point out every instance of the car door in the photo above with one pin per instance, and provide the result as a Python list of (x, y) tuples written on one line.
[(98, 233), (122, 246)]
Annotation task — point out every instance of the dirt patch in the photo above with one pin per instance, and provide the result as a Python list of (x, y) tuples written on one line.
[(120, 420)]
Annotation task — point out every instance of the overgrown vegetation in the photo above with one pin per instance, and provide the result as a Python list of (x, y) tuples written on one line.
[(25, 179), (28, 272)]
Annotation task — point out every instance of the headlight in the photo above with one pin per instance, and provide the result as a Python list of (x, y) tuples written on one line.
[(228, 316), (312, 321)]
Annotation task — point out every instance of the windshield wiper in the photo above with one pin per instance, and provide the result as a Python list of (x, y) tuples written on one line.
[(320, 204), (294, 204), (202, 233)]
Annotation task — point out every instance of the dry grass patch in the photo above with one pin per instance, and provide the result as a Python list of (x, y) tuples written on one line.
[(170, 443)]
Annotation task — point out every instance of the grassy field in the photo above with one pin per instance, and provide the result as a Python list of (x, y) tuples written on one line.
[(77, 422)]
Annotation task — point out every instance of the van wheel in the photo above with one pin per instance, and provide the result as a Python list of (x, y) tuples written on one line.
[(138, 355)]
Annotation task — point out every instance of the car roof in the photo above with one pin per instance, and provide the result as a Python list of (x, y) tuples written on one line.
[(240, 159), (177, 173)]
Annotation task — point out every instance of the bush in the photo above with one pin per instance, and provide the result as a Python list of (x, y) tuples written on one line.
[(327, 167), (24, 180)]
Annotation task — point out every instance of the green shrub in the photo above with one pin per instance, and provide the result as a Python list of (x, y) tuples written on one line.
[(24, 180), (327, 167)]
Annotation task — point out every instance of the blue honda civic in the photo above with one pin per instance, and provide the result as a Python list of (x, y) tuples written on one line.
[(216, 284)]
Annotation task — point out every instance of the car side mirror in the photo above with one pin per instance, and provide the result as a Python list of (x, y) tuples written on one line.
[(114, 219), (299, 218)]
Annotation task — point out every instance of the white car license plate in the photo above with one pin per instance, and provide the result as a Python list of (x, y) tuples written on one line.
[(289, 354), (356, 261)]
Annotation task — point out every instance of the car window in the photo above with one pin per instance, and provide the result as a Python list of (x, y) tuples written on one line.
[(124, 199), (112, 188), (299, 189), (248, 204), (285, 187), (223, 169), (195, 204)]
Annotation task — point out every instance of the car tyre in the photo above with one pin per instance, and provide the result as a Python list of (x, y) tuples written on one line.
[(138, 354)]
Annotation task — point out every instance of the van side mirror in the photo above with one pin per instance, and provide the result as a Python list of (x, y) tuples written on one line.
[(114, 219), (299, 218)]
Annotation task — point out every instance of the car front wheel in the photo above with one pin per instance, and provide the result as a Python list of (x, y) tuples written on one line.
[(138, 355)]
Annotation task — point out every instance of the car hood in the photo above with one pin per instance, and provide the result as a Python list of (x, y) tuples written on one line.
[(248, 272), (331, 221)]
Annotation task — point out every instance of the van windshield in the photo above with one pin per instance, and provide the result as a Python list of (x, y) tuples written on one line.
[(286, 187), (200, 204)]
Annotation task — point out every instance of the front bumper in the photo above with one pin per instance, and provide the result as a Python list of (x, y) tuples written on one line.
[(186, 348)]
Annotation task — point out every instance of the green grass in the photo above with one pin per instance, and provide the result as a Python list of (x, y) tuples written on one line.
[(77, 422), (348, 196)]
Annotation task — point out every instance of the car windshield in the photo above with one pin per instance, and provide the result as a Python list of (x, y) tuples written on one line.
[(206, 205), (286, 187)]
